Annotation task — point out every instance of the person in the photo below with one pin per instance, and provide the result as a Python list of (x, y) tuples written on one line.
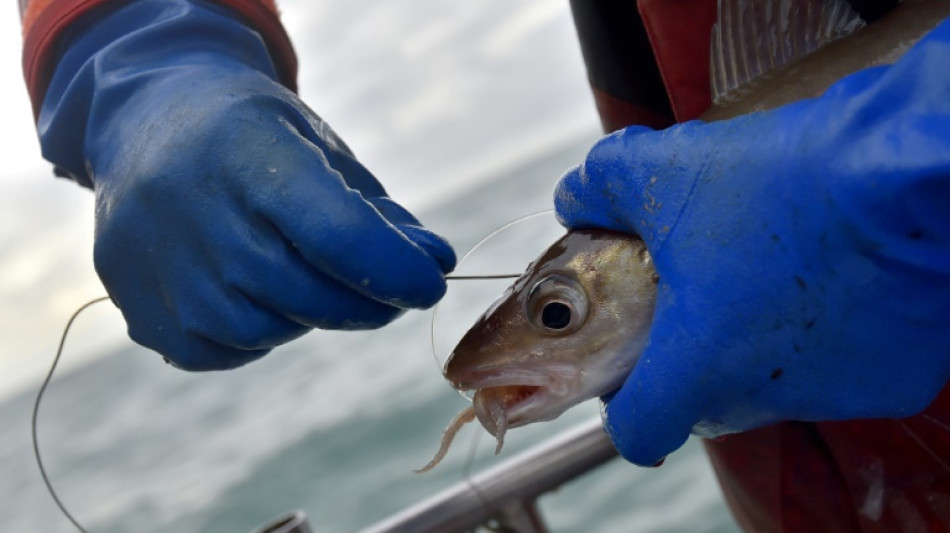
[(803, 311), (803, 252)]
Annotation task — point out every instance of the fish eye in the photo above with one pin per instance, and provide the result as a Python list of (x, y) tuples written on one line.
[(557, 305), (556, 315)]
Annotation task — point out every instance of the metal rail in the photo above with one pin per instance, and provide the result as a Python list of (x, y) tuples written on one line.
[(503, 498), (505, 495)]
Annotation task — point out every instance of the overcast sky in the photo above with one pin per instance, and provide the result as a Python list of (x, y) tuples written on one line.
[(431, 95)]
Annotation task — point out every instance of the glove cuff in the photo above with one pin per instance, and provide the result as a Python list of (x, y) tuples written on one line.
[(48, 23), (123, 53)]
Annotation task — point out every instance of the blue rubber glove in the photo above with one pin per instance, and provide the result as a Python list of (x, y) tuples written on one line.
[(229, 217), (803, 255)]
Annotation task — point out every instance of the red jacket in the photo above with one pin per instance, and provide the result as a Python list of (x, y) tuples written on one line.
[(46, 21)]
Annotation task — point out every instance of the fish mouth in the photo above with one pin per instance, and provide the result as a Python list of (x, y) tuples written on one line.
[(509, 396), (498, 408)]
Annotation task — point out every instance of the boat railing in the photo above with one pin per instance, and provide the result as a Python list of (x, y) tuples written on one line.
[(501, 498)]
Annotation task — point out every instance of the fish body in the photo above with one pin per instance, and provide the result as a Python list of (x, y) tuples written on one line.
[(569, 329)]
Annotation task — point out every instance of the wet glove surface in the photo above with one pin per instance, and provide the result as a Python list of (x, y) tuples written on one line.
[(803, 255), (229, 217)]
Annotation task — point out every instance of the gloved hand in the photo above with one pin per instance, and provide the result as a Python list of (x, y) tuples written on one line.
[(229, 217), (803, 256)]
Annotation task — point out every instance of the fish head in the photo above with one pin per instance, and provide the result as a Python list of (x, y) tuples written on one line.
[(570, 328)]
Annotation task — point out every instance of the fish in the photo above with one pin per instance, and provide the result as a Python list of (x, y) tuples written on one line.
[(569, 329)]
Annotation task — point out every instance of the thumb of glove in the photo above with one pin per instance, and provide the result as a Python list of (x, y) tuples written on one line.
[(650, 416), (437, 247), (635, 180)]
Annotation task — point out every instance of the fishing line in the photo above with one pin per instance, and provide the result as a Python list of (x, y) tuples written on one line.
[(937, 422), (476, 436), (36, 410), (493, 233), (920, 442), (467, 472), (489, 276)]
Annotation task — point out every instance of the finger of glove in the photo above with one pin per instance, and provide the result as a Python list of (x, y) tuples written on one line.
[(433, 244), (635, 180), (168, 317), (651, 415), (185, 280), (233, 319), (187, 286), (359, 178), (356, 176), (233, 329), (159, 329), (280, 279), (339, 157), (204, 355), (342, 235)]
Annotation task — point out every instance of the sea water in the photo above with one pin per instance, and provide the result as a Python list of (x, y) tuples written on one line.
[(331, 424)]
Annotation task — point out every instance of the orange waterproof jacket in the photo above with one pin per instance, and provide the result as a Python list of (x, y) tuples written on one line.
[(46, 22)]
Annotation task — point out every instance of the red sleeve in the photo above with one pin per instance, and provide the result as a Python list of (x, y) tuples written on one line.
[(679, 34), (44, 21)]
